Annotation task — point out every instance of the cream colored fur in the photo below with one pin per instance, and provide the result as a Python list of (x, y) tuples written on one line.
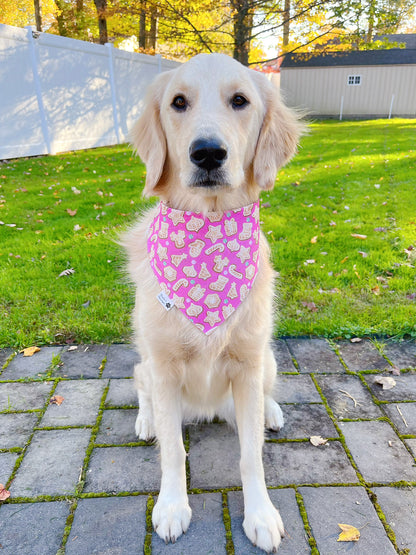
[(185, 373)]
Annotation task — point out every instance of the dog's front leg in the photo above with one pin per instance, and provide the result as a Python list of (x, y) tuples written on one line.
[(262, 523), (171, 514)]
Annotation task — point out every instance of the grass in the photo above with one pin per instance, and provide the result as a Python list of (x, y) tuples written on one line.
[(348, 178)]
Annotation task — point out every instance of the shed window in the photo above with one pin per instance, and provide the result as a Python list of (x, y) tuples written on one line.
[(354, 79)]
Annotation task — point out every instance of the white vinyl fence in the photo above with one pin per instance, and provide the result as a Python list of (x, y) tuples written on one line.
[(59, 94)]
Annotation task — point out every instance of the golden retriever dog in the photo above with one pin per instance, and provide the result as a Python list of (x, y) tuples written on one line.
[(213, 134)]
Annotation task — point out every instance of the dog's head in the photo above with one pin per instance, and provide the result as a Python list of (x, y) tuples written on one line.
[(213, 126)]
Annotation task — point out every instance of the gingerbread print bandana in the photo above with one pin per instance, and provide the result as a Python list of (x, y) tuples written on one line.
[(205, 266)]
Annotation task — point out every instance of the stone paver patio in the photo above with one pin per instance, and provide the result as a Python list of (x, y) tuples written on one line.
[(81, 483)]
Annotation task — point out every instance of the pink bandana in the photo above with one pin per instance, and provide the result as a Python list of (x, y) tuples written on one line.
[(205, 266)]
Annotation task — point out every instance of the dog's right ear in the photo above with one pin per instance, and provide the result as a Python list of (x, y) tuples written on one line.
[(148, 137)]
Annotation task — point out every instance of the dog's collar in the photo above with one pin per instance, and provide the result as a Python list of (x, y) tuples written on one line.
[(205, 265)]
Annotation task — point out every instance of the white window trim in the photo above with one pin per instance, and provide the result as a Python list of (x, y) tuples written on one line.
[(354, 80)]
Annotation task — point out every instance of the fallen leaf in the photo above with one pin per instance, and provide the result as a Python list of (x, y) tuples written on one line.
[(310, 261), (358, 236), (363, 254), (395, 370), (67, 272), (356, 340), (349, 533), (4, 494), (344, 260), (318, 440), (30, 351), (71, 212), (314, 239), (56, 400), (310, 305), (376, 290), (73, 348), (385, 381)]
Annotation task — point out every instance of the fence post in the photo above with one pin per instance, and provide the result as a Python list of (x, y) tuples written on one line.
[(113, 89), (391, 105), (36, 79), (341, 108)]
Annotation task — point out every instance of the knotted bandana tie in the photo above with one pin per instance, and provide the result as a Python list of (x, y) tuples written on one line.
[(205, 266)]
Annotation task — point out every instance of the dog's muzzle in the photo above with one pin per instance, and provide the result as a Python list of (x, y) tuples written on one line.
[(208, 155)]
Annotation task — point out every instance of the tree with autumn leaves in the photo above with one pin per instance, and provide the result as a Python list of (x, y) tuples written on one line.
[(238, 27)]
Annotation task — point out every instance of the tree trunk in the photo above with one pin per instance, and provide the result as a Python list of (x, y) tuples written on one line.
[(79, 15), (242, 23), (286, 25), (101, 6), (38, 17), (142, 25), (371, 18), (151, 37)]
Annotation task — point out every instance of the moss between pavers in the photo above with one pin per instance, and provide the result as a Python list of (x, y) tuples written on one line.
[(229, 545), (147, 549), (68, 526), (94, 433), (306, 525), (335, 348), (102, 366), (338, 429), (7, 361), (25, 448), (389, 531)]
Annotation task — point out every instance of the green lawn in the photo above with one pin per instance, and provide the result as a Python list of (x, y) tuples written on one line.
[(348, 178)]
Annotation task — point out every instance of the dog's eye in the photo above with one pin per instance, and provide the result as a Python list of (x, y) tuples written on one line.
[(239, 101), (179, 102)]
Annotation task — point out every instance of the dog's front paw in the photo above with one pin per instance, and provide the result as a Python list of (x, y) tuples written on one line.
[(170, 520), (273, 415), (264, 528), (144, 427)]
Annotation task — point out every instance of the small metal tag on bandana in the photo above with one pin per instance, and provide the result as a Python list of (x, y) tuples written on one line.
[(165, 301)]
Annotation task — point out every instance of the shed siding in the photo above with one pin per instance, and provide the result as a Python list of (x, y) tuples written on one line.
[(319, 90)]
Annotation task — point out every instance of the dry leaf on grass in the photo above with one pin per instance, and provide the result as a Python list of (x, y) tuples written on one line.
[(56, 400), (71, 212), (356, 340), (4, 494), (30, 351), (317, 441), (358, 236), (67, 272), (310, 306), (385, 381), (349, 533)]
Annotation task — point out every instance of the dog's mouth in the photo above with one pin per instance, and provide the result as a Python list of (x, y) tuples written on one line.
[(214, 179)]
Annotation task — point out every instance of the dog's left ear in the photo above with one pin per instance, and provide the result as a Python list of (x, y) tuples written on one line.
[(148, 137), (279, 135)]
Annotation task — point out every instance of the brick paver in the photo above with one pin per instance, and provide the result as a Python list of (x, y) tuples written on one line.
[(328, 507), (108, 525), (82, 483)]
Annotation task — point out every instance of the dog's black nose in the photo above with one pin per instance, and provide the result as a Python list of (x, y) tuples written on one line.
[(208, 154)]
